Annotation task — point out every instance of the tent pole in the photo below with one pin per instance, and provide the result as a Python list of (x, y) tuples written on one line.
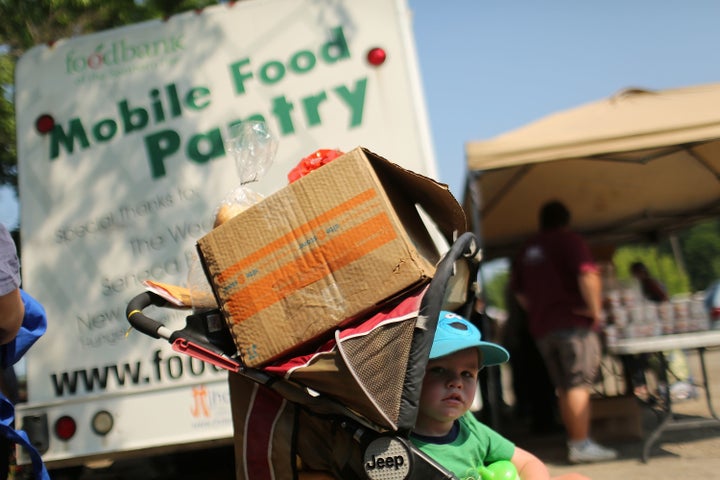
[(677, 253), (490, 379)]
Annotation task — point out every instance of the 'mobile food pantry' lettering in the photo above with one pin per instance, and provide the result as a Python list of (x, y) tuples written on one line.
[(165, 103)]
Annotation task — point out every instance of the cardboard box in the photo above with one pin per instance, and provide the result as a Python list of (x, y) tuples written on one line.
[(323, 250), (616, 418)]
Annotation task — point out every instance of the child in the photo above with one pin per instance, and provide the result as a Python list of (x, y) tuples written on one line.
[(445, 429)]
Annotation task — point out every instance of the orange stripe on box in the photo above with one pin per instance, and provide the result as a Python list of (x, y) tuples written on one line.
[(290, 237), (319, 232), (311, 267)]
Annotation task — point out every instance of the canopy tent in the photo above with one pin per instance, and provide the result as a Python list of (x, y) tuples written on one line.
[(631, 167)]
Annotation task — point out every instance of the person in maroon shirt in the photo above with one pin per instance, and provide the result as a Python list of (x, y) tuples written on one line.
[(557, 282)]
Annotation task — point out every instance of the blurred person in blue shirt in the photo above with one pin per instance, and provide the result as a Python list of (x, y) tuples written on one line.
[(22, 322)]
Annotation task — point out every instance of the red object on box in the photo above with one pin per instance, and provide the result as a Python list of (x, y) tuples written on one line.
[(312, 162)]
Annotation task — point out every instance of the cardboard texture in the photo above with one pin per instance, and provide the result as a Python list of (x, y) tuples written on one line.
[(323, 250)]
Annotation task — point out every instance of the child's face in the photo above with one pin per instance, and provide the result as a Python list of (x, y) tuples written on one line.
[(448, 391)]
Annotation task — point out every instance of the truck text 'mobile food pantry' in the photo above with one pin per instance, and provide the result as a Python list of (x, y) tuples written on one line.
[(122, 160)]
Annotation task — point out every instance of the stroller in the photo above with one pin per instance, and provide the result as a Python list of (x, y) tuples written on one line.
[(332, 408)]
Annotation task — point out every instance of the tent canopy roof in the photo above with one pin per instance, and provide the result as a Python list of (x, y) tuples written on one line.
[(629, 167)]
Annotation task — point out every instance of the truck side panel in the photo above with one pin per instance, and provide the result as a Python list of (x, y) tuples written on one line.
[(123, 157)]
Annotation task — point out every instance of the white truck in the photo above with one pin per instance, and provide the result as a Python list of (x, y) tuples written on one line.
[(122, 160)]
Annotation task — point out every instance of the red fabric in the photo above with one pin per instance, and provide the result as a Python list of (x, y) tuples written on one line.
[(546, 272), (408, 307), (266, 408)]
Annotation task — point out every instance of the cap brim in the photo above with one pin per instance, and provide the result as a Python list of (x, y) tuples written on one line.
[(493, 354)]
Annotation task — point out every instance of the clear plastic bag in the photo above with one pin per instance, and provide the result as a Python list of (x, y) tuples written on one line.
[(253, 146)]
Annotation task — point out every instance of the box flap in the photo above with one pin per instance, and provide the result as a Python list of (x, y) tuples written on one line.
[(434, 197)]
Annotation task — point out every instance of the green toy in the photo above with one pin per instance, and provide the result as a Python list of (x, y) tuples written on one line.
[(500, 470)]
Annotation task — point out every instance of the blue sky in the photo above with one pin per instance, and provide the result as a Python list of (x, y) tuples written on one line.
[(490, 66), (9, 214)]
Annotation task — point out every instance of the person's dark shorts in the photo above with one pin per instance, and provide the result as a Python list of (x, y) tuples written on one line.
[(572, 357)]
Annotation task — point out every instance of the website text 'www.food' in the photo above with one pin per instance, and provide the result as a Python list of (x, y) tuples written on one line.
[(160, 368)]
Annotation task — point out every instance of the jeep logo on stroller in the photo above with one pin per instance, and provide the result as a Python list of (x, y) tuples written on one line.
[(387, 458)]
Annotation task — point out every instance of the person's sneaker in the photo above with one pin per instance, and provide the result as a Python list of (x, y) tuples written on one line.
[(589, 451), (682, 391)]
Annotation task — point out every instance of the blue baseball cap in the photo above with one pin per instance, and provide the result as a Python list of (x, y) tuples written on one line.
[(454, 333)]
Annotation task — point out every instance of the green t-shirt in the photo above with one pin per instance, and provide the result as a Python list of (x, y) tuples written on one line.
[(475, 444)]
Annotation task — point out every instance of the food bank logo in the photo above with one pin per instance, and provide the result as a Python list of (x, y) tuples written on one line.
[(121, 53), (208, 403), (200, 407)]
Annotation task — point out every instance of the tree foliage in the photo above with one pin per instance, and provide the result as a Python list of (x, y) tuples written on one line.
[(701, 250), (8, 151), (661, 265), (496, 289)]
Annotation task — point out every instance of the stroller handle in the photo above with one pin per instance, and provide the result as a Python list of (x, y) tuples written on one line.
[(203, 337), (465, 246), (143, 323)]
